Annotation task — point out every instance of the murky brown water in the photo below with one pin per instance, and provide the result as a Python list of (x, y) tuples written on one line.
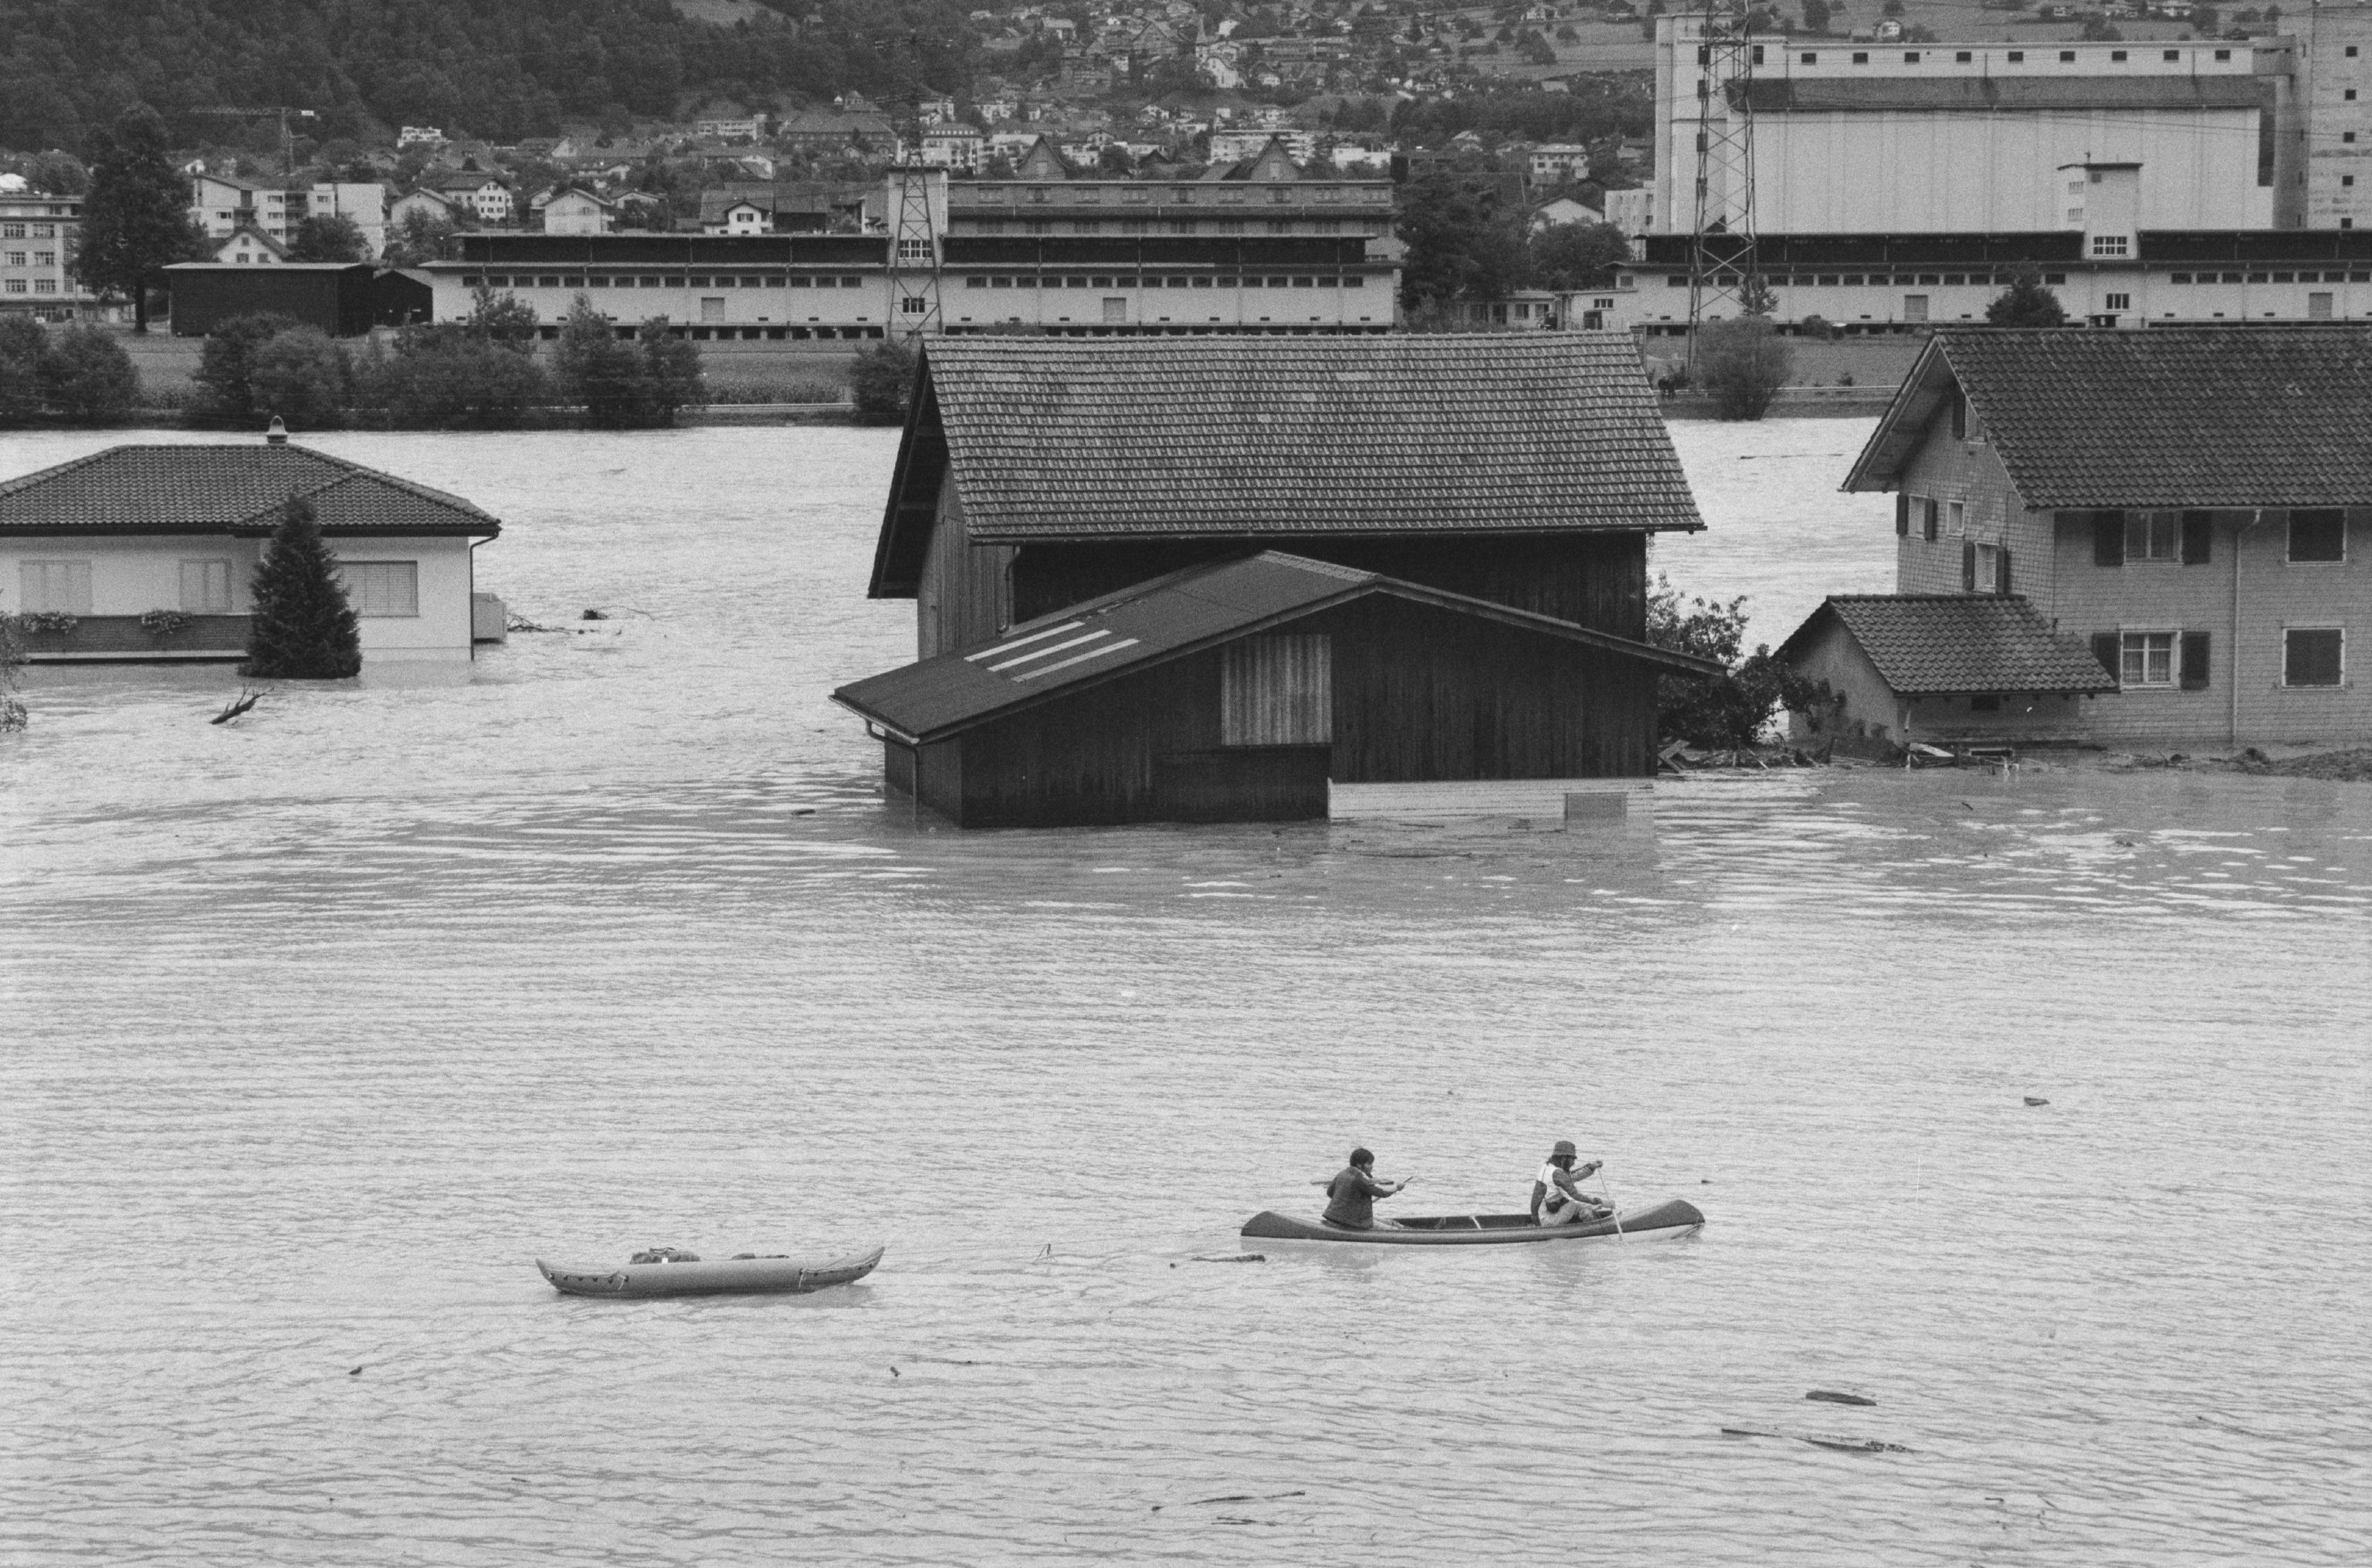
[(321, 1027)]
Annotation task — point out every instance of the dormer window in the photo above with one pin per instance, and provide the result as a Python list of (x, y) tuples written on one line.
[(2112, 245)]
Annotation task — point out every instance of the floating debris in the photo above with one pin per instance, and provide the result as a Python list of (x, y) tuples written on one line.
[(1820, 1440), (1833, 1396), (2036, 1099), (247, 699)]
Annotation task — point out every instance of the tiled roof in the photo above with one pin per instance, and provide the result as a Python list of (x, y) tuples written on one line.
[(1932, 645), (2175, 416), (1163, 618), (1277, 436), (226, 488)]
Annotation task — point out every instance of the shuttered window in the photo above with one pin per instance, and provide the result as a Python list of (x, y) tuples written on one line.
[(1902, 515), (1933, 510), (2108, 539), (2198, 538), (2194, 661), (383, 587), (205, 587), (58, 585), (2318, 536), (1278, 691), (2313, 656)]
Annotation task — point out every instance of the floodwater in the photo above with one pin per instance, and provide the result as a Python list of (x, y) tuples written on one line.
[(323, 1026)]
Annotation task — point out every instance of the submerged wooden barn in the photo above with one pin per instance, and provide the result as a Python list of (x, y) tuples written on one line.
[(1193, 580)]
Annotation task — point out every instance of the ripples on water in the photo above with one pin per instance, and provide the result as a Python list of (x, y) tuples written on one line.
[(324, 1025)]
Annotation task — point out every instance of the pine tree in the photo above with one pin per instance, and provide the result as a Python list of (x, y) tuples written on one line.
[(136, 217), (303, 629)]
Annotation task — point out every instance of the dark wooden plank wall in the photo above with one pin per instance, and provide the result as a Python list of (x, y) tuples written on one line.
[(1593, 580), (1423, 693), (1419, 694), (960, 601)]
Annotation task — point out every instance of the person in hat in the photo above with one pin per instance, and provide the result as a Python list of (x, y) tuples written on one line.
[(1351, 1196), (1557, 1197)]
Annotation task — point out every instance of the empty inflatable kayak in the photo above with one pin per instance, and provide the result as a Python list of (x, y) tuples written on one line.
[(1673, 1217), (781, 1276)]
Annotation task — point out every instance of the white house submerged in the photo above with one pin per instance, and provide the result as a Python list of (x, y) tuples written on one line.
[(146, 553)]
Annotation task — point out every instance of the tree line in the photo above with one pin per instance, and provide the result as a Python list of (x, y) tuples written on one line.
[(496, 68)]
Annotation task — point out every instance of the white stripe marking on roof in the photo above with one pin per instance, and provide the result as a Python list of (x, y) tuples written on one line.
[(1023, 642), (1050, 648), (1076, 659)]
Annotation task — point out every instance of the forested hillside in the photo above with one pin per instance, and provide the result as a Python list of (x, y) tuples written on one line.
[(497, 68)]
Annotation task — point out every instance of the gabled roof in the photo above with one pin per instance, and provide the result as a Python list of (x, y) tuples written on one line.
[(1152, 623), (2173, 416), (1940, 645), (226, 490), (1271, 438)]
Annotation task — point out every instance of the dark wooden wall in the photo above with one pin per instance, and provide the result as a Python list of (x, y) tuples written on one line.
[(1419, 694), (1595, 580), (1423, 693)]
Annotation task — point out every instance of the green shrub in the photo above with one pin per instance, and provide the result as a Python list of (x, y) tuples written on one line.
[(1728, 710), (881, 378), (301, 377), (1742, 364), (223, 364), (89, 377), (444, 379)]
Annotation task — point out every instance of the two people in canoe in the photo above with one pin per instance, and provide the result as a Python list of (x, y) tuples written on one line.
[(1557, 1197)]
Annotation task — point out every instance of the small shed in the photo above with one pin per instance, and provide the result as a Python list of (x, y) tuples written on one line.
[(1244, 689), (401, 299), (337, 297), (1943, 668)]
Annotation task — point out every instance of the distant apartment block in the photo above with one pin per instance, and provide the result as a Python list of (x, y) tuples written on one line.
[(746, 128), (37, 237), (222, 207)]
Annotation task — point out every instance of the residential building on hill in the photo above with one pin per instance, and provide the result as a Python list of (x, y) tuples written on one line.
[(1113, 627), (222, 207), (249, 246), (2193, 503), (96, 548), (573, 210)]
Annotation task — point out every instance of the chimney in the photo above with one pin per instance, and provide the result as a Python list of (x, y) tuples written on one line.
[(278, 435)]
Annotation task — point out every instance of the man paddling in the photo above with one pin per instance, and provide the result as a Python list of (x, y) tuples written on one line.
[(1351, 1196), (1557, 1197)]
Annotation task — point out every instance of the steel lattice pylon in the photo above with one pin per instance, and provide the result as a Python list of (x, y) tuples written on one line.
[(1721, 249), (914, 251)]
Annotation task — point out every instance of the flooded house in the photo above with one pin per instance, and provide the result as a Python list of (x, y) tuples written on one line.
[(2192, 505), (1181, 579), (144, 554)]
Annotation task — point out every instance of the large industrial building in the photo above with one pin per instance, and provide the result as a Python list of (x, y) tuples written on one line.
[(1261, 247), (1896, 186), (1867, 138)]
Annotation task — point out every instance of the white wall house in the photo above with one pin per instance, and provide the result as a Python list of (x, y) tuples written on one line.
[(579, 211), (130, 555)]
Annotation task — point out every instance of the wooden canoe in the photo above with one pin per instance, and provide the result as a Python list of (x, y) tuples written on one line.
[(1658, 1222), (724, 1276)]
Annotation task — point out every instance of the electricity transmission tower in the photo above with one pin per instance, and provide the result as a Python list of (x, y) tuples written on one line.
[(1721, 247), (287, 137), (917, 196)]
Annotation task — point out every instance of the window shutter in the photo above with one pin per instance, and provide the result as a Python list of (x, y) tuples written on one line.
[(1929, 509), (1968, 565), (2001, 573), (2108, 539), (2198, 534), (2104, 648), (1901, 513), (2194, 661)]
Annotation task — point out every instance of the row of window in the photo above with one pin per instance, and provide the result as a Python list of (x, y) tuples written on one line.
[(1881, 280), (24, 231), (377, 589), (1026, 279), (2311, 656), (1088, 195), (1967, 56), (40, 285), (1177, 226), (2317, 536), (19, 258), (656, 280), (2358, 275)]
